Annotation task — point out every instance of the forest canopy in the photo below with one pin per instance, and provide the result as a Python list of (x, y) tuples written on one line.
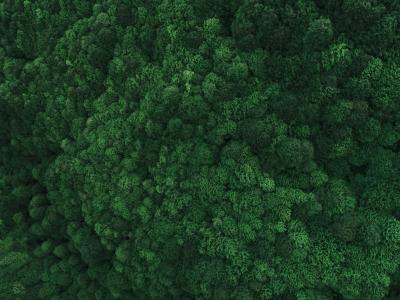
[(207, 149)]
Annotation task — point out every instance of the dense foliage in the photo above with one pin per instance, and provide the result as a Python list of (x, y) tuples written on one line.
[(207, 149)]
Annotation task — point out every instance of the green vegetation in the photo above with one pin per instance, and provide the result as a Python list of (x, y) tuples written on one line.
[(176, 149)]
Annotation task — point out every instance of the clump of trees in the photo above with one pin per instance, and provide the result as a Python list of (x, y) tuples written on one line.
[(176, 149)]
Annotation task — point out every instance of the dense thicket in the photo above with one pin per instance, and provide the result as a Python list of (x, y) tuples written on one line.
[(208, 149)]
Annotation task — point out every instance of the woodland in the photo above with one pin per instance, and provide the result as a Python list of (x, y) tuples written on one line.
[(207, 149)]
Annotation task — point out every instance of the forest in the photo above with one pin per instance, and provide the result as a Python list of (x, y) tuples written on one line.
[(196, 150)]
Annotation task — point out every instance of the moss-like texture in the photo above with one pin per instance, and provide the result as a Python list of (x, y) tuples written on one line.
[(200, 149)]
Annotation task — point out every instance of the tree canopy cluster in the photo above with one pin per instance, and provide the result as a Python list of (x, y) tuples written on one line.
[(207, 149)]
